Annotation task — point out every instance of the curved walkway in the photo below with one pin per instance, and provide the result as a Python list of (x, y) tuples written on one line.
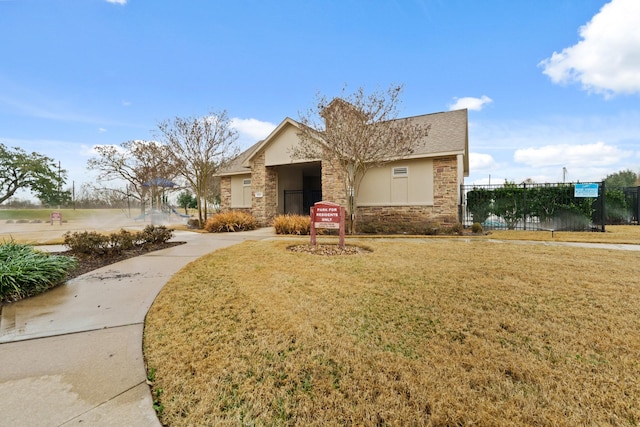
[(74, 354)]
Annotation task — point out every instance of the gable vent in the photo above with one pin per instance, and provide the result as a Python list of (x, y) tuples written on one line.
[(400, 171)]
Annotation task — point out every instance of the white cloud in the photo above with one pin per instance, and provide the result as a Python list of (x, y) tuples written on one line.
[(480, 162), (470, 103), (545, 146), (122, 2), (585, 155), (251, 131), (607, 59), (102, 130)]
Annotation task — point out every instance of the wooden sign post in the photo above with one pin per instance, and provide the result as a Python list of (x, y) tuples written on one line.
[(327, 215)]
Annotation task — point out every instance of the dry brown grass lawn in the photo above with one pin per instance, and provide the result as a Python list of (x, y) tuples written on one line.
[(421, 332), (629, 234)]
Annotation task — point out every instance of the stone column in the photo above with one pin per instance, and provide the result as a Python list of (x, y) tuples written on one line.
[(333, 185), (445, 190), (264, 182), (225, 193)]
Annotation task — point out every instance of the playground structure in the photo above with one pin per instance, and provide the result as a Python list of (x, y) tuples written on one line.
[(164, 214), (161, 212)]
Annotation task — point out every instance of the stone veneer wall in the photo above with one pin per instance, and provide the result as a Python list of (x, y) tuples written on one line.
[(416, 218), (263, 180), (225, 193), (445, 190), (333, 189)]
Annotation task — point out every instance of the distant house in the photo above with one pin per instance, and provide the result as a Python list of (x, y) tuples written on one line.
[(423, 188)]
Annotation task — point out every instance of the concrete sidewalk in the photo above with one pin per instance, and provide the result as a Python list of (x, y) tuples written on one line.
[(74, 354)]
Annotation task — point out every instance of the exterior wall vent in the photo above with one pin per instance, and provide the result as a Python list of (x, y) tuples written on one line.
[(402, 171)]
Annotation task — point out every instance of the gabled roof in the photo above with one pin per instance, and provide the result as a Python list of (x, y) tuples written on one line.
[(240, 165), (448, 135), (288, 121)]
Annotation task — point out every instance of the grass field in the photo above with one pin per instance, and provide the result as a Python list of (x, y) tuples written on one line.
[(418, 332), (67, 214), (33, 226), (613, 234)]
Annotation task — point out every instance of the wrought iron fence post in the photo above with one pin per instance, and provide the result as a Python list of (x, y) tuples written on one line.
[(603, 218), (524, 204), (462, 209)]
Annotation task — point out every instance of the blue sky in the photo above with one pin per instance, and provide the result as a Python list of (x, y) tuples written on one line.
[(549, 84)]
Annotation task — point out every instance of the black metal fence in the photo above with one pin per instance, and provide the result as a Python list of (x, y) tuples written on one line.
[(559, 206), (626, 209)]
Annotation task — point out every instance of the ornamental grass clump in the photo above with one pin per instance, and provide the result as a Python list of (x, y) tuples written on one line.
[(292, 224), (231, 221), (25, 271)]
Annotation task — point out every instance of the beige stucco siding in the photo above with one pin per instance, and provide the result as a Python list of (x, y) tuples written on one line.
[(279, 150), (240, 192), (379, 187)]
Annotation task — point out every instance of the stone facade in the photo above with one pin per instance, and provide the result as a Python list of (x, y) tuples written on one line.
[(263, 181), (373, 219), (445, 190), (225, 192), (333, 187)]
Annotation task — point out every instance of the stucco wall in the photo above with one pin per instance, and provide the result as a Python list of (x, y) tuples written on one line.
[(278, 152), (240, 193), (380, 188), (414, 218)]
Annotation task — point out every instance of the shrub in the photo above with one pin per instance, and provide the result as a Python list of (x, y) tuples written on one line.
[(292, 224), (193, 223), (457, 228), (476, 228), (397, 226), (156, 234), (87, 242), (93, 243), (25, 272), (124, 240), (231, 221), (479, 203)]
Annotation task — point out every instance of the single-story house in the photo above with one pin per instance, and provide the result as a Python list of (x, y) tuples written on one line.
[(422, 188)]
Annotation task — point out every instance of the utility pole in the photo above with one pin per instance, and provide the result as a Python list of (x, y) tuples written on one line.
[(59, 193)]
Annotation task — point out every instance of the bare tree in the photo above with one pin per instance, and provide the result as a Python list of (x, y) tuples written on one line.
[(198, 147), (357, 132), (141, 165)]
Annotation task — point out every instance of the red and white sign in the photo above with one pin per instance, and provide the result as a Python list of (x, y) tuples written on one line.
[(56, 216), (327, 215)]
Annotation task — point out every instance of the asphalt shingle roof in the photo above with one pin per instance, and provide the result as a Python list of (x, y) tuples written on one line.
[(448, 134)]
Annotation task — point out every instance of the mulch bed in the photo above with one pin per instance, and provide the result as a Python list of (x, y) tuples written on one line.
[(87, 263), (329, 250)]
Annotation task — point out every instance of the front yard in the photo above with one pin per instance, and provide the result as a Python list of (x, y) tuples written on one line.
[(416, 332)]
